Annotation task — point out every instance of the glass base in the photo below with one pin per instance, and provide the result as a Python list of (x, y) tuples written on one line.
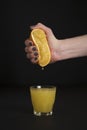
[(42, 113)]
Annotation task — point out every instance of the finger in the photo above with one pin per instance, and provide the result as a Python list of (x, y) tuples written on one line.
[(28, 56), (32, 49), (32, 55), (28, 42), (35, 54), (47, 30), (26, 49), (39, 25), (34, 60)]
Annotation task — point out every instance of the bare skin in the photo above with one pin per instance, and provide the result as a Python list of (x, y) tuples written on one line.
[(60, 49)]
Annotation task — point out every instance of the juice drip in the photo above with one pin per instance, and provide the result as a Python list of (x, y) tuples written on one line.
[(42, 68)]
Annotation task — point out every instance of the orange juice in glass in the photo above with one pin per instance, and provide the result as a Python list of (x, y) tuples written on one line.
[(43, 98)]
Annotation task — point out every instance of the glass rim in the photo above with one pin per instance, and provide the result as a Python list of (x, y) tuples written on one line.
[(43, 86)]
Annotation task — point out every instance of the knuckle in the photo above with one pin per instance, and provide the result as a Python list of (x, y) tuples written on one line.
[(39, 24), (26, 49), (49, 30)]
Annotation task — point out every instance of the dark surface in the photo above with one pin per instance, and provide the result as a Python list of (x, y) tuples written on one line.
[(70, 110)]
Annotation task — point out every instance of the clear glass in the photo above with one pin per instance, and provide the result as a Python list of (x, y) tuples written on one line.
[(43, 98)]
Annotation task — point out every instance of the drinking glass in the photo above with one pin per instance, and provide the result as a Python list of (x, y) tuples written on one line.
[(43, 99)]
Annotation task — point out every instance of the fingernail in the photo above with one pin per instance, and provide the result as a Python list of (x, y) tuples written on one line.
[(34, 49), (36, 54), (30, 43), (35, 58)]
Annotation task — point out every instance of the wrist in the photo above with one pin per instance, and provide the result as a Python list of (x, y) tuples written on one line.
[(67, 49), (63, 50), (72, 47), (57, 51)]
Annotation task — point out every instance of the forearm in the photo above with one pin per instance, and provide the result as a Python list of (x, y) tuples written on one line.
[(73, 47)]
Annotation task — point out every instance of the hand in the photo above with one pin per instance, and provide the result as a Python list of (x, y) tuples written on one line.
[(31, 50), (60, 49)]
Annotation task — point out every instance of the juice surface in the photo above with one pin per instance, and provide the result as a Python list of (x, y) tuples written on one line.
[(43, 99)]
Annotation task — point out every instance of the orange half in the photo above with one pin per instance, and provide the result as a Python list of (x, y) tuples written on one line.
[(38, 37)]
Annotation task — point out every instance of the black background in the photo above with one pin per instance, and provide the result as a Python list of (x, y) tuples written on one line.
[(67, 18)]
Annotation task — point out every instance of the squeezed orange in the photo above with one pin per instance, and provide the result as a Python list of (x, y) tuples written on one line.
[(38, 37)]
